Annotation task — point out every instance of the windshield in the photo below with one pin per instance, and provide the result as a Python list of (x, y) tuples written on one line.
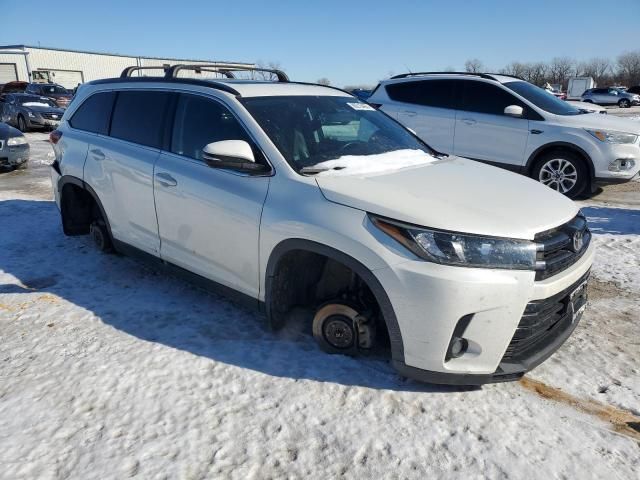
[(310, 130), (542, 98), (34, 101), (48, 89)]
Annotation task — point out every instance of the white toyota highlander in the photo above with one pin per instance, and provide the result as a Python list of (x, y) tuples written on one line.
[(300, 197)]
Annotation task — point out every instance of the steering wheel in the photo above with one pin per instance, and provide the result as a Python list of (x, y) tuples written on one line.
[(349, 145)]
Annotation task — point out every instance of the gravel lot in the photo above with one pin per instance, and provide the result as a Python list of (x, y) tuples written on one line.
[(111, 370)]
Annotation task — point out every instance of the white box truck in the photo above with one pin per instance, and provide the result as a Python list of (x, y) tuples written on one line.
[(577, 86)]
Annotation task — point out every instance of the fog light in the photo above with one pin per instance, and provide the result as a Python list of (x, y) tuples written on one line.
[(458, 347), (622, 165)]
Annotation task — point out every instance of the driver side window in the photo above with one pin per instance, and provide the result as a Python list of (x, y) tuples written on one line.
[(200, 121)]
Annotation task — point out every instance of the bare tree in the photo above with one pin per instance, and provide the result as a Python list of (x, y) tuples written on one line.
[(323, 81), (560, 69), (629, 67), (516, 69), (597, 68), (473, 65), (265, 75)]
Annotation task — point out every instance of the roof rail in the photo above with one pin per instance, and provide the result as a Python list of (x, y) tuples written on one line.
[(191, 81), (506, 75), (225, 69), (129, 70), (412, 74)]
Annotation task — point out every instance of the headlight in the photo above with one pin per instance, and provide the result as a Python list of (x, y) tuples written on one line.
[(15, 141), (466, 250), (613, 137), (31, 114)]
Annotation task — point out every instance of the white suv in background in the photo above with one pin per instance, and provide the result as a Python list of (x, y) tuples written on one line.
[(510, 123), (297, 197)]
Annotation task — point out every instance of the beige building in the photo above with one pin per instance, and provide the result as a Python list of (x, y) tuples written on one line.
[(71, 67)]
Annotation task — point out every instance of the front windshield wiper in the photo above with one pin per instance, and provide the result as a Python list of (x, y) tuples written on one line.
[(313, 170)]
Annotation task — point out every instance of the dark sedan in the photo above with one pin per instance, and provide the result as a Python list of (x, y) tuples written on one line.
[(29, 111), (14, 149), (55, 92)]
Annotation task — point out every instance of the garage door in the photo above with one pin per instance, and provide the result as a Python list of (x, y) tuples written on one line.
[(66, 78), (8, 72)]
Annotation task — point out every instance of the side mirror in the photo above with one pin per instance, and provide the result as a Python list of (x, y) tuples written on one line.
[(232, 154), (514, 111)]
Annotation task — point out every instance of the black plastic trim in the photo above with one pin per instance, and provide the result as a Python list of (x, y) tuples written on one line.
[(71, 180), (395, 336), (504, 166)]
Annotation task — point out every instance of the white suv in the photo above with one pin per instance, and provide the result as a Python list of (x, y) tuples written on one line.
[(298, 197), (510, 123)]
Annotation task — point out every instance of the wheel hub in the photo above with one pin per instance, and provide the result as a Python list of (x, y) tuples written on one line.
[(559, 174), (338, 331)]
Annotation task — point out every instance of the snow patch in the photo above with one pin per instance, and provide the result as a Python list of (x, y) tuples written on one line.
[(382, 162)]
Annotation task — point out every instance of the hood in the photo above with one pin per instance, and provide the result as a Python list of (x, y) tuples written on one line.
[(453, 194), (7, 131), (604, 122)]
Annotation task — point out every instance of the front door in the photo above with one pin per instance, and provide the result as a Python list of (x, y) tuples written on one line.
[(483, 131), (208, 218)]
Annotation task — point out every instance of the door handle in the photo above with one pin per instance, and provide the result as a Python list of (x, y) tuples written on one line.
[(469, 121), (97, 154), (166, 180), (409, 113)]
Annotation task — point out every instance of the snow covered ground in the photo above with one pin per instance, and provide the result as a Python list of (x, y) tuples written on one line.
[(111, 370)]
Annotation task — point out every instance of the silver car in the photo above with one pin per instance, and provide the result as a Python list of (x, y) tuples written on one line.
[(27, 112), (14, 149), (611, 96)]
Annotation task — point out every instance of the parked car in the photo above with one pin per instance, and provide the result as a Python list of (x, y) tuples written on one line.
[(28, 112), (56, 92), (634, 90), (13, 87), (588, 107), (611, 96), (14, 149), (298, 196), (507, 122)]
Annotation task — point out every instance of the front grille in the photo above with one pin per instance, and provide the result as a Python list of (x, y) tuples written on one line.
[(51, 116), (561, 247), (545, 320)]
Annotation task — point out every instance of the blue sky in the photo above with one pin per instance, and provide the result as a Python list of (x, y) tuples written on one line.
[(347, 42)]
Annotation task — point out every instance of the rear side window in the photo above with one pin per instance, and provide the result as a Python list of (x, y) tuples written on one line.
[(200, 121), (94, 113), (482, 97), (430, 93), (139, 117)]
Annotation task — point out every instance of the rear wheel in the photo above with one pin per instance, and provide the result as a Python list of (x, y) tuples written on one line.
[(22, 124), (624, 103), (563, 171)]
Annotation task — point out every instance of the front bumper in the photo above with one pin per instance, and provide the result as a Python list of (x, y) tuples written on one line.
[(11, 157), (608, 153), (40, 122), (429, 300)]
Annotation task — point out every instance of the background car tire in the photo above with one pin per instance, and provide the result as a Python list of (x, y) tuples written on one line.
[(22, 124), (567, 163), (624, 103)]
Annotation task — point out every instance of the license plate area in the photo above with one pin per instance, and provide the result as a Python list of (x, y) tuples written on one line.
[(578, 299)]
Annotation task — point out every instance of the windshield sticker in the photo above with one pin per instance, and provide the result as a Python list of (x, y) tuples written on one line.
[(361, 106)]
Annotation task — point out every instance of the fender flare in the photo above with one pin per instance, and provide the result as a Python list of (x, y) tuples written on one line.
[(390, 319), (71, 180), (565, 145)]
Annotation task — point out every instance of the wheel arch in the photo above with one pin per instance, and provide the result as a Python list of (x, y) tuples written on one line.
[(291, 245), (70, 180), (548, 147)]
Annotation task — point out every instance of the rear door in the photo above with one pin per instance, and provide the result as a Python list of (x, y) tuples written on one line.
[(427, 107), (209, 218), (119, 166), (483, 131)]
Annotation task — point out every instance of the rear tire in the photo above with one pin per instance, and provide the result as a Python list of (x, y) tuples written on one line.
[(563, 171), (624, 103), (22, 124)]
